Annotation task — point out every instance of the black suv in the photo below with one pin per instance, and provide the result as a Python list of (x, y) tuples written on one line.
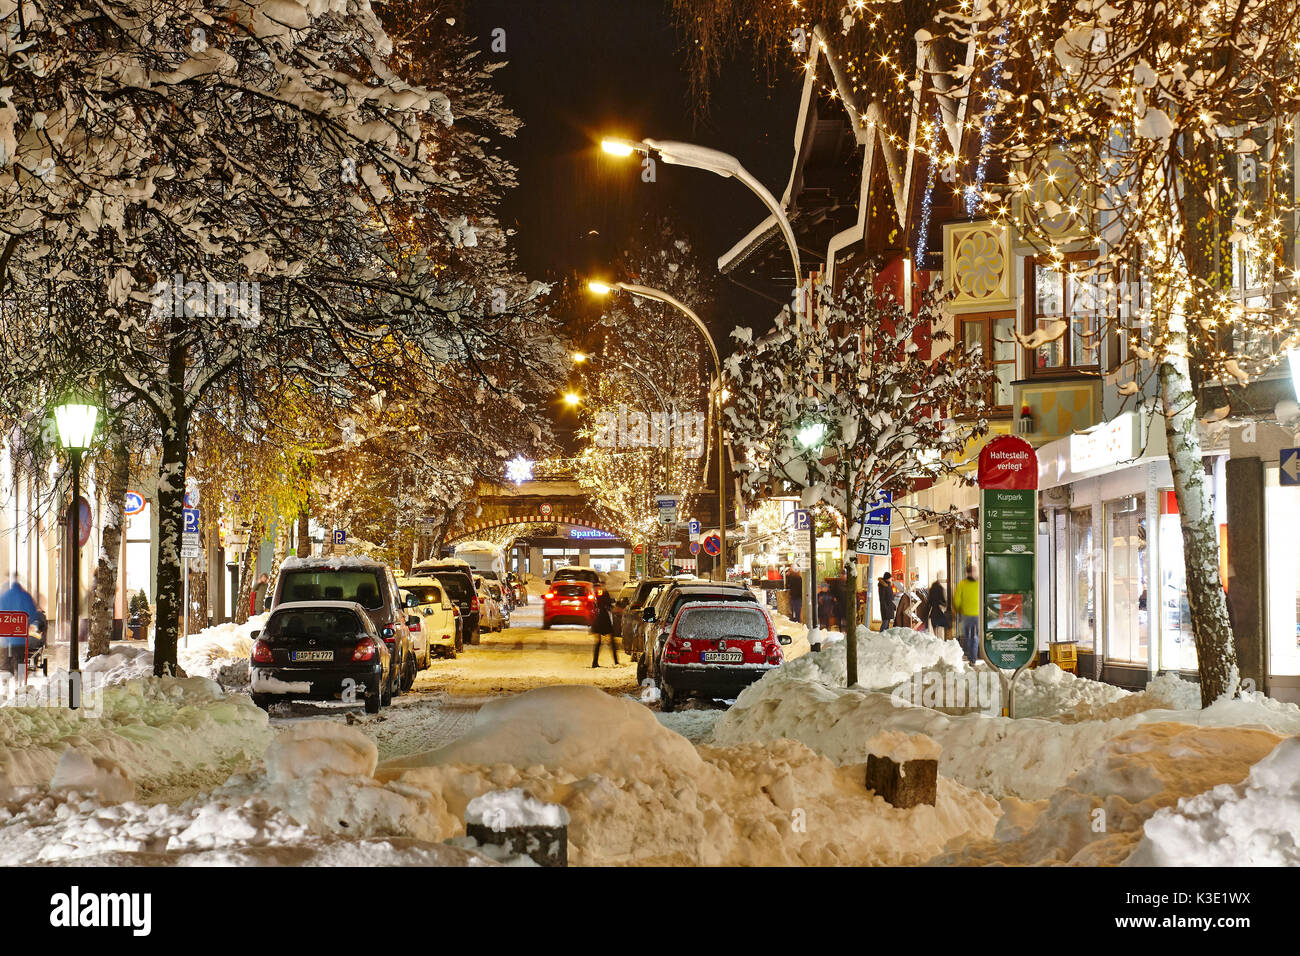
[(365, 581), (458, 581)]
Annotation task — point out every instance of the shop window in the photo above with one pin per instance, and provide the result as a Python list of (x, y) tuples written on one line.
[(1055, 291), (995, 335), (1283, 517), (1083, 603), (1128, 622)]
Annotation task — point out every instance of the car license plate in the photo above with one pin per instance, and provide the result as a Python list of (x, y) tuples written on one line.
[(311, 655), (723, 657)]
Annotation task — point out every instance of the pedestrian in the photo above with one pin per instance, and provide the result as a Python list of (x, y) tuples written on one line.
[(939, 610), (966, 604), (888, 602), (258, 597), (602, 627), (794, 584)]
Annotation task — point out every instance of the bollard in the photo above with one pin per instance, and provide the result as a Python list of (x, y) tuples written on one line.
[(520, 825), (903, 769)]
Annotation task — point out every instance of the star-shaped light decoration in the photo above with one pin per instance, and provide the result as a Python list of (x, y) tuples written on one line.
[(519, 469)]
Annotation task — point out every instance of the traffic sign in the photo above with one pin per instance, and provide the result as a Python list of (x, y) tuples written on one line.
[(712, 545), (1288, 471), (192, 497), (545, 509), (802, 519), (340, 536), (639, 549), (191, 520), (874, 529), (880, 511), (695, 547), (694, 527), (13, 623), (667, 505), (134, 503)]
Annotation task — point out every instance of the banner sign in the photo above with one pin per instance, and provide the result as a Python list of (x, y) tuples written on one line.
[(1008, 479)]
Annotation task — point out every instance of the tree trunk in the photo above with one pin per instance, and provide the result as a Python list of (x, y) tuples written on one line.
[(304, 533), (103, 600), (278, 556), (248, 573), (171, 520), (1215, 652)]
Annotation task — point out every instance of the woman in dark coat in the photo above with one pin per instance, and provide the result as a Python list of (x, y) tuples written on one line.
[(940, 619), (602, 627)]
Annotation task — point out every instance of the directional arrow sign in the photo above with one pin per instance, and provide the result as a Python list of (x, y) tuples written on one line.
[(1289, 466)]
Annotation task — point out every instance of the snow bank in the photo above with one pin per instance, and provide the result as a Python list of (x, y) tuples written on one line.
[(156, 729), (219, 653), (1028, 758), (500, 809), (314, 746), (1254, 823), (637, 793), (1097, 817)]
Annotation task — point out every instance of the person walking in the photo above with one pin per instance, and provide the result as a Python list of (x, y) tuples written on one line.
[(602, 627), (825, 607), (888, 602), (15, 649), (258, 598), (940, 619), (966, 603), (794, 584)]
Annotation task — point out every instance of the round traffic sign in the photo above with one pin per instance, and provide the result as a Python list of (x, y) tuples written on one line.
[(695, 547), (712, 545), (134, 503), (545, 508)]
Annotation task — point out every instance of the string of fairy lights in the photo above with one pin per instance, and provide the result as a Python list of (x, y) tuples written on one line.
[(877, 36)]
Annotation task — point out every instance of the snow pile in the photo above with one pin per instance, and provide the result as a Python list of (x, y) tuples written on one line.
[(1097, 816), (123, 663), (501, 809), (219, 653), (1028, 758), (317, 746), (1254, 823), (636, 793), (97, 776), (156, 729), (1048, 691), (900, 747), (885, 659)]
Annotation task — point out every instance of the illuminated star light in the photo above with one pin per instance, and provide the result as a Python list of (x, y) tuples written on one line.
[(519, 469)]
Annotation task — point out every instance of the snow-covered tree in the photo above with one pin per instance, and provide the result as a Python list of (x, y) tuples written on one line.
[(238, 190)]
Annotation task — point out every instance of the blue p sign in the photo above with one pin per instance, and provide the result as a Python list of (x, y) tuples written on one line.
[(802, 519), (191, 520), (340, 536)]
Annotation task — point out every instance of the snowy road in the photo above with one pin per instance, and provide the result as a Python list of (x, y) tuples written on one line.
[(442, 704)]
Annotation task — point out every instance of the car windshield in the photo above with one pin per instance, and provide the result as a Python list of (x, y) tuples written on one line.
[(312, 623), (577, 574), (457, 586), (712, 623), (716, 596), (570, 590), (334, 584), (426, 593)]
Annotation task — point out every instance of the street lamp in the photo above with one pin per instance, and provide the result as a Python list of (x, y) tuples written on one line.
[(605, 288), (572, 399), (812, 435), (76, 424), (714, 161)]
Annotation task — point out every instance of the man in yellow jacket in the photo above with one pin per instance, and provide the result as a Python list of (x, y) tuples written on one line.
[(966, 605)]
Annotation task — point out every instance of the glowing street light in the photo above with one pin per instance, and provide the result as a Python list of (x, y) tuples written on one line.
[(519, 469), (812, 435), (599, 288), (579, 357), (713, 161), (76, 424), (572, 399)]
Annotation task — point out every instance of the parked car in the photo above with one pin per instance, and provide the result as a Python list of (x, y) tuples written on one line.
[(574, 572), (569, 602), (518, 587), (622, 598), (629, 627), (458, 580), (717, 649), (439, 628), (502, 594), (321, 650), (659, 616), (364, 581), (493, 617)]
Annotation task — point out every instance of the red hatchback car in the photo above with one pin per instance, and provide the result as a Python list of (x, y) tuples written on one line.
[(569, 602), (717, 650)]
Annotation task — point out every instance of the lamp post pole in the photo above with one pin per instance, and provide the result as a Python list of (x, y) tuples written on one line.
[(660, 296), (74, 543)]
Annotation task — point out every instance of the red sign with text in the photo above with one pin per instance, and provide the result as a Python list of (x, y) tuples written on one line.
[(13, 624), (1008, 463)]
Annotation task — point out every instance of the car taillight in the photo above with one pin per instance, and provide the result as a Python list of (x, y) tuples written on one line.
[(673, 649), (262, 653), (473, 604), (414, 627), (591, 597), (548, 595), (773, 648), (365, 650)]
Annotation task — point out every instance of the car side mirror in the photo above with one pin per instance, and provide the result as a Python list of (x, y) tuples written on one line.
[(785, 639), (412, 621), (412, 601), (388, 633), (254, 635), (648, 615)]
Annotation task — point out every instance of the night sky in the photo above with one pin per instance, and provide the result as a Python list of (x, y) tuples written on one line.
[(582, 69)]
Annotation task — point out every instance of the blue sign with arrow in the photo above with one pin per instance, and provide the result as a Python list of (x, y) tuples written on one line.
[(802, 519), (1288, 471), (879, 513), (191, 520)]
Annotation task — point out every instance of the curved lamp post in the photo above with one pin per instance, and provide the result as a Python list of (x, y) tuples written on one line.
[(714, 161), (76, 424), (605, 288)]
